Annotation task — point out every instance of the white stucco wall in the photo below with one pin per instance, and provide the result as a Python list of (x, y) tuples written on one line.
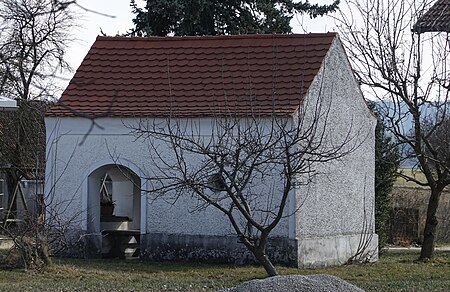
[(74, 152), (341, 196), (72, 156)]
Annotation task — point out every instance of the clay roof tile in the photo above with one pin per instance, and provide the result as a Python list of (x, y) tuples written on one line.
[(194, 76)]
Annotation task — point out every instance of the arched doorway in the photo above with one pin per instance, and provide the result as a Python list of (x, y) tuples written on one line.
[(115, 233)]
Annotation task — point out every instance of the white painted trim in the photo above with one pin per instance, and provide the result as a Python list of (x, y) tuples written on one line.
[(143, 206), (84, 202), (123, 162)]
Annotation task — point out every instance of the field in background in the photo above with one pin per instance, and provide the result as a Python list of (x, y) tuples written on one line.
[(401, 182), (394, 272)]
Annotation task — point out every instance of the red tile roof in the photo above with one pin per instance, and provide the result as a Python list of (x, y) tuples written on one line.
[(437, 18), (194, 76)]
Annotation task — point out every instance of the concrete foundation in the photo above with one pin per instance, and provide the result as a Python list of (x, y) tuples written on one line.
[(337, 250)]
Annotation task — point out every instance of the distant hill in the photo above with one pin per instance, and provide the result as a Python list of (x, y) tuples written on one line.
[(407, 126)]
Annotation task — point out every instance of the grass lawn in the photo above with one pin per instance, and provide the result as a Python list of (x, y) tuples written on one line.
[(396, 271)]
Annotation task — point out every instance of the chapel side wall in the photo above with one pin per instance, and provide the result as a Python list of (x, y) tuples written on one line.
[(73, 153), (338, 206), (174, 232), (62, 191)]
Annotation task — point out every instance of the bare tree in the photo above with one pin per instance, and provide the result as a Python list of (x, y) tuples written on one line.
[(33, 41), (245, 166), (408, 74), (34, 35)]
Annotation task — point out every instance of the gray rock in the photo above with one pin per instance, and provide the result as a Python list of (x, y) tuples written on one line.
[(313, 283)]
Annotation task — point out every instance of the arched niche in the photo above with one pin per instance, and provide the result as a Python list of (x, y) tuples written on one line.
[(126, 189)]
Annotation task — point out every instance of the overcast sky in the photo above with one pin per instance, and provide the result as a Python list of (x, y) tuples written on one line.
[(90, 23)]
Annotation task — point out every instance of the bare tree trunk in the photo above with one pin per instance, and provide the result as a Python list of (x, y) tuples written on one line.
[(263, 259), (429, 233), (43, 248)]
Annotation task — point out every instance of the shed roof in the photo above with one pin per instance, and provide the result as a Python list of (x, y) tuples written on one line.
[(436, 19), (194, 76), (7, 104)]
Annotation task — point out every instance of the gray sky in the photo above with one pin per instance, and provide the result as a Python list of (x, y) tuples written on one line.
[(90, 24)]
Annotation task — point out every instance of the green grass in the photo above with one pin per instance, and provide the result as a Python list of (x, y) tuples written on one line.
[(394, 272)]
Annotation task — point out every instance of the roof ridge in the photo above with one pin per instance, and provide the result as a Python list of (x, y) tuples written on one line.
[(210, 37)]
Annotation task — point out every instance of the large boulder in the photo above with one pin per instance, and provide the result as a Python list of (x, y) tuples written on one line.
[(313, 283)]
